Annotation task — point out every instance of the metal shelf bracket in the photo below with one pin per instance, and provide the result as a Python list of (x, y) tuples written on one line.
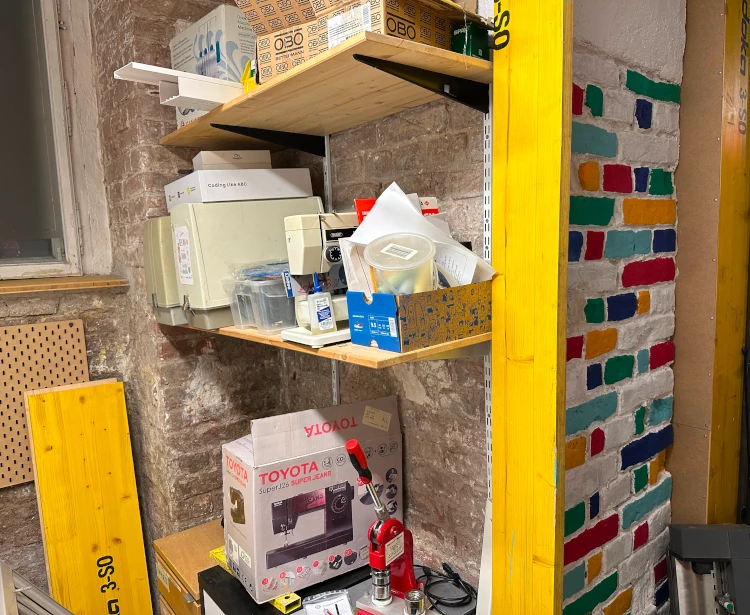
[(470, 93), (312, 144)]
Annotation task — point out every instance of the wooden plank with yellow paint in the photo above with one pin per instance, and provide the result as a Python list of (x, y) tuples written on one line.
[(530, 180), (88, 503)]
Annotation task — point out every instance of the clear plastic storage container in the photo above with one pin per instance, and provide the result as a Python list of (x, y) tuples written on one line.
[(239, 301), (403, 263), (272, 309)]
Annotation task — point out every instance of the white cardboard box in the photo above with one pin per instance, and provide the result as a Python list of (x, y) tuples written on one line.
[(232, 159), (239, 185), (218, 45), (294, 514)]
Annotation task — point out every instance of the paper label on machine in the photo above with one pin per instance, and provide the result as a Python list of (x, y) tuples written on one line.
[(182, 241), (294, 513), (394, 549)]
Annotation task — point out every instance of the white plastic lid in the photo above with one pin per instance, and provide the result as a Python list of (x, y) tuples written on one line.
[(399, 251)]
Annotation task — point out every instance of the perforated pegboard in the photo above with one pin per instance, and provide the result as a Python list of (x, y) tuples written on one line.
[(33, 357)]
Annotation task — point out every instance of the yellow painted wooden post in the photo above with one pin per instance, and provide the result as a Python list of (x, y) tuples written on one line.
[(530, 183)]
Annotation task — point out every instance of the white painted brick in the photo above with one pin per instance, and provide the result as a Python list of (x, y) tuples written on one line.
[(659, 519), (592, 278), (615, 493), (583, 481), (575, 381), (644, 331), (643, 595), (662, 298), (616, 551), (591, 68), (663, 609), (644, 559), (666, 117), (639, 148), (644, 388), (619, 431), (619, 107)]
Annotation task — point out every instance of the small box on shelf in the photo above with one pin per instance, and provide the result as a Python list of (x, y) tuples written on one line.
[(471, 39)]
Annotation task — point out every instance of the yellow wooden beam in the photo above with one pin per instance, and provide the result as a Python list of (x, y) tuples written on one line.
[(530, 182)]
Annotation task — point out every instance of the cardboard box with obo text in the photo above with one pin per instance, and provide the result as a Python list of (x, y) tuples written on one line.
[(400, 323), (294, 514), (266, 16)]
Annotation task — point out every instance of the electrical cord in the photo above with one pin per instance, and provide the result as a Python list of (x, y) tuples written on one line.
[(434, 579)]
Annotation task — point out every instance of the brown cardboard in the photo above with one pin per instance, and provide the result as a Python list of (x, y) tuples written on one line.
[(266, 16), (279, 52)]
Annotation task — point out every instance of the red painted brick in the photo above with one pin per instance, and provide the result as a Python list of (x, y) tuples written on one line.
[(575, 347), (661, 354), (594, 245), (597, 441), (660, 571), (591, 539), (618, 178), (577, 100), (642, 273), (640, 536)]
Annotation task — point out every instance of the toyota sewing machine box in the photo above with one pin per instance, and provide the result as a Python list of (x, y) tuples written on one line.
[(401, 323), (294, 514)]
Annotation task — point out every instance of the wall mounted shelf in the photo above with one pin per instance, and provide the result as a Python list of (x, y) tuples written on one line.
[(336, 91)]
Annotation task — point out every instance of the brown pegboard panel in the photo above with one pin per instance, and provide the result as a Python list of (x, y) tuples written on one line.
[(33, 357)]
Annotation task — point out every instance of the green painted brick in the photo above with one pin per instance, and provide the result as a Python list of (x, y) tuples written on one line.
[(575, 518), (642, 242), (594, 310), (618, 368), (661, 410), (660, 182), (589, 139), (636, 510), (595, 100), (640, 420), (574, 581), (619, 244), (592, 598), (581, 417), (659, 90), (640, 478), (642, 368), (591, 210)]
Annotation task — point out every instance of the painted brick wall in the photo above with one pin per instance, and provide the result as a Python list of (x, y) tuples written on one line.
[(620, 321)]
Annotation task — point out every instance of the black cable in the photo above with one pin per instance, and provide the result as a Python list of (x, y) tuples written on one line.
[(433, 578)]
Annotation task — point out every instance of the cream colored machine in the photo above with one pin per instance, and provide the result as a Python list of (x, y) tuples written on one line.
[(161, 280), (208, 238)]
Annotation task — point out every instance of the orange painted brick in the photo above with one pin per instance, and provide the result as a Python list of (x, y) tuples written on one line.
[(656, 467), (644, 301), (594, 567), (588, 175), (649, 211), (575, 452), (621, 604), (599, 342)]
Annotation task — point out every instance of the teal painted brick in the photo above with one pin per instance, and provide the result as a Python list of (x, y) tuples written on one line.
[(640, 84), (592, 598), (574, 581), (580, 417), (636, 510), (591, 210), (620, 244), (661, 410), (618, 368), (575, 517), (642, 242), (642, 361), (594, 310), (588, 139)]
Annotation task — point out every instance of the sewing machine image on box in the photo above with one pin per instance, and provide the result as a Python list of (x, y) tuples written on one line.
[(336, 503)]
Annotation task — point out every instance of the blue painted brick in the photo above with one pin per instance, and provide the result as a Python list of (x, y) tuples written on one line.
[(665, 240), (642, 359), (580, 417), (662, 593), (594, 376), (594, 505), (643, 111), (575, 245), (620, 307), (641, 179), (635, 510), (646, 447)]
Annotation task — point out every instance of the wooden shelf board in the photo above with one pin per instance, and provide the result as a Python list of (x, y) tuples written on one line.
[(330, 93), (352, 353), (41, 285)]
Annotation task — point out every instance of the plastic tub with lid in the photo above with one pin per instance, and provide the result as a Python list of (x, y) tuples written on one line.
[(239, 301), (403, 263), (272, 309)]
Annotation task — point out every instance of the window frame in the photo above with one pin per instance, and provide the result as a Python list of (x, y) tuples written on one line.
[(61, 134)]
